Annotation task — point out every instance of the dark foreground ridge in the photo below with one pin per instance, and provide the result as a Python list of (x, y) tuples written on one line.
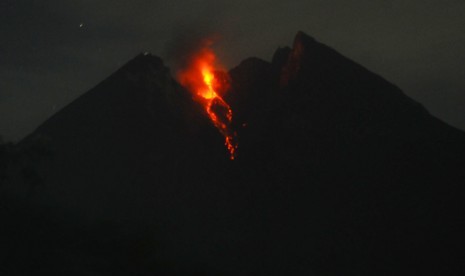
[(338, 173)]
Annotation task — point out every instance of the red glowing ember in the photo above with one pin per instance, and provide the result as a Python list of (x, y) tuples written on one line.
[(200, 77)]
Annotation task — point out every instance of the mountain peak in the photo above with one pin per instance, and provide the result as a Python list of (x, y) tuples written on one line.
[(340, 168), (302, 45), (144, 63), (302, 38)]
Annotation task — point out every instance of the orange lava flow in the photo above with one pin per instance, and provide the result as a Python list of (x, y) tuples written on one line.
[(200, 78)]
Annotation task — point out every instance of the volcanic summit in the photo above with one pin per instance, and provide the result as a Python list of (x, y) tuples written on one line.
[(337, 172)]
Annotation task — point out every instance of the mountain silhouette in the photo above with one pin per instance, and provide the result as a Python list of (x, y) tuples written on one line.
[(338, 172)]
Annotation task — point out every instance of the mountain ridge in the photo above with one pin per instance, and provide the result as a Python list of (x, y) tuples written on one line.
[(338, 172)]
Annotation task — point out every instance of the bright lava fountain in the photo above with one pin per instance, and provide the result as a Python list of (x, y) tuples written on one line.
[(201, 78)]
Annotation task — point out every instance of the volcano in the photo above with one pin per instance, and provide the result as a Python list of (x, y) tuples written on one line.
[(337, 172)]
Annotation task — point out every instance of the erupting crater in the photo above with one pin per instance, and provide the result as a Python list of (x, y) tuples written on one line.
[(206, 80)]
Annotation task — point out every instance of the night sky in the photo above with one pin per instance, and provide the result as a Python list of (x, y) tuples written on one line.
[(52, 51)]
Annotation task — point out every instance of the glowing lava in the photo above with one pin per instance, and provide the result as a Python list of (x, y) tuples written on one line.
[(201, 78)]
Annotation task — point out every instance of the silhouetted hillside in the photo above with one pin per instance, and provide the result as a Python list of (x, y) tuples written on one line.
[(338, 173)]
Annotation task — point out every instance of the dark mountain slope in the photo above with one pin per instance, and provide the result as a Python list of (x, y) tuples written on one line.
[(135, 150), (379, 178), (136, 120), (338, 173)]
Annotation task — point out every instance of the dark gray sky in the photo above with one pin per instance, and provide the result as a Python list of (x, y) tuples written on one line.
[(47, 58)]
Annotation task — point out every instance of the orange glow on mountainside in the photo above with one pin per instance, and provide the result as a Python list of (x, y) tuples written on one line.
[(201, 78)]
